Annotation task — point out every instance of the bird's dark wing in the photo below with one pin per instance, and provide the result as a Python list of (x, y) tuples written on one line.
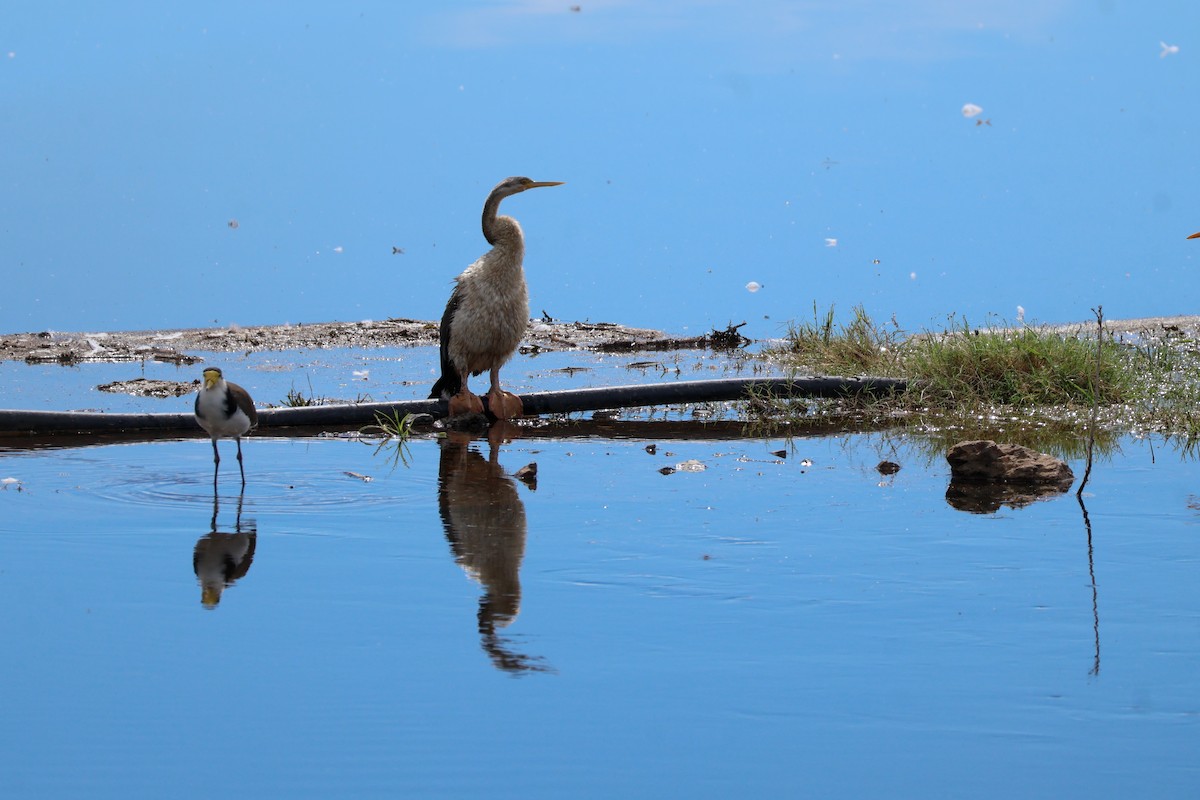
[(230, 402), (240, 398), (451, 382)]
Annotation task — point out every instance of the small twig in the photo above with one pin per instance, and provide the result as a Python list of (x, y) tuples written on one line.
[(1087, 472)]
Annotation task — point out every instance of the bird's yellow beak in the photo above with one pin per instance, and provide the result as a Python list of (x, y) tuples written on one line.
[(210, 596), (211, 376)]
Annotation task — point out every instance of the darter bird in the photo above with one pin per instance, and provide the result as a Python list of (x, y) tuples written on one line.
[(224, 410), (487, 313)]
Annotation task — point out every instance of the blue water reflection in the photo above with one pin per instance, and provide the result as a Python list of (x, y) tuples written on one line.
[(765, 626), (704, 146)]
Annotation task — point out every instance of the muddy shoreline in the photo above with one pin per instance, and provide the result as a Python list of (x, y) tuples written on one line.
[(181, 345)]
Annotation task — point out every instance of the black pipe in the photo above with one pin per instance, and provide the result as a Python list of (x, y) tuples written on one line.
[(558, 402)]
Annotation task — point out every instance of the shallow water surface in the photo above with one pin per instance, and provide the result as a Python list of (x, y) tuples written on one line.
[(796, 625)]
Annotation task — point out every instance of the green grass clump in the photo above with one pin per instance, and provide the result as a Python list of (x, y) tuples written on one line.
[(857, 348), (1025, 367), (297, 399), (393, 430), (1001, 377)]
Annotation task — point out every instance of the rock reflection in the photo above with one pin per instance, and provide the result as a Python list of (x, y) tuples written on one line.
[(220, 559), (484, 521), (986, 498)]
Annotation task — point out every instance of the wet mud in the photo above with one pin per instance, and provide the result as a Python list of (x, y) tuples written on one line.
[(178, 346)]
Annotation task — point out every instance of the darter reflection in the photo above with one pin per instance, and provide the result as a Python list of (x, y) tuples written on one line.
[(484, 521)]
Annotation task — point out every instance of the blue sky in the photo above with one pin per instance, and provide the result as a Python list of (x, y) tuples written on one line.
[(704, 146)]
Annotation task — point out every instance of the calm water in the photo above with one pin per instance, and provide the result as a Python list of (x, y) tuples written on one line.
[(768, 626), (764, 627)]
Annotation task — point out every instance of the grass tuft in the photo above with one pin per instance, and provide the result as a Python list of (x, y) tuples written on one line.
[(1025, 367), (857, 348), (1001, 377)]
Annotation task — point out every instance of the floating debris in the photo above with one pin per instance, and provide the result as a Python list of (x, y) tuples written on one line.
[(528, 475), (148, 387), (753, 286), (886, 467), (779, 453), (691, 465), (728, 339), (359, 476), (971, 110), (15, 483), (651, 449)]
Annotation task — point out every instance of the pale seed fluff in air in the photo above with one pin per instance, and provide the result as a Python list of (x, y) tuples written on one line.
[(1168, 49), (753, 286), (830, 242), (971, 110), (1020, 313), (912, 276)]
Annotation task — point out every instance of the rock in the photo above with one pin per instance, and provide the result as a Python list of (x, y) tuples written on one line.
[(985, 475), (985, 460)]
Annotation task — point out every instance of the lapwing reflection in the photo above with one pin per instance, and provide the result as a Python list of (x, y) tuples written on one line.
[(220, 559), (484, 520)]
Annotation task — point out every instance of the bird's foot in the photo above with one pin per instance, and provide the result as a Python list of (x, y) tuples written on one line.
[(505, 405), (465, 403)]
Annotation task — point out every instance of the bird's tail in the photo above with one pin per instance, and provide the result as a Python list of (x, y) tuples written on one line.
[(446, 386)]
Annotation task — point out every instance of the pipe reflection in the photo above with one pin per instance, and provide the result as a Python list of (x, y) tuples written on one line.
[(484, 521), (221, 559)]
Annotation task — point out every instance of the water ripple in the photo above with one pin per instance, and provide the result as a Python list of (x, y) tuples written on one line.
[(301, 491)]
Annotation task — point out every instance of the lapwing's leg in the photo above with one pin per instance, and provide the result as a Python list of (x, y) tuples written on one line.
[(240, 467)]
